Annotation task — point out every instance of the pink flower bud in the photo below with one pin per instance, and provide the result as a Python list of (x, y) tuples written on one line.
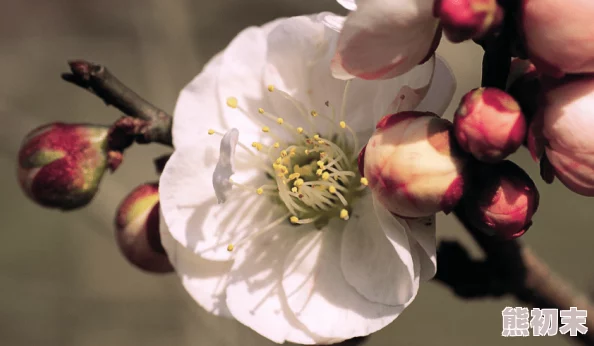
[(61, 165), (413, 166), (468, 19), (502, 201), (563, 130), (489, 124), (137, 230), (558, 35)]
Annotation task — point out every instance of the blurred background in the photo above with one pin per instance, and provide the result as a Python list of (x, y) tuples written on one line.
[(62, 279)]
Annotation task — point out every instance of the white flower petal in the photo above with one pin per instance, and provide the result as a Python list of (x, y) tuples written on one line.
[(204, 280), (254, 294), (350, 5), (379, 268), (190, 207), (319, 295), (383, 39), (333, 21), (441, 91), (423, 231)]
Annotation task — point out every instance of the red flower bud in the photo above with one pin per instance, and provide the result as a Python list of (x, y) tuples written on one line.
[(413, 165), (489, 124), (558, 35), (137, 230), (61, 165), (503, 201), (468, 19)]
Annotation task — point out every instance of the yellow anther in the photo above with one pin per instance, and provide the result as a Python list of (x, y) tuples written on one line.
[(344, 214), (230, 247), (343, 125), (317, 137), (211, 132), (325, 176), (294, 176), (294, 189), (280, 121), (332, 189), (314, 113), (266, 129), (257, 145), (300, 130), (278, 161), (261, 110), (294, 219), (232, 102), (260, 191), (276, 145), (299, 182), (284, 153), (319, 172), (364, 181), (271, 88), (321, 142), (306, 151), (320, 163)]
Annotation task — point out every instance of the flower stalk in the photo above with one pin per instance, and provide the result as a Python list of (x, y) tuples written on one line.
[(150, 124)]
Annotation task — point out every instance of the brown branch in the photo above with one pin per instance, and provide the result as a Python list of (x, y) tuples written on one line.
[(508, 268), (156, 124)]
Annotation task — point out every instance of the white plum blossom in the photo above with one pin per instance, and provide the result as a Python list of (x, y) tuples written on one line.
[(266, 217), (382, 39)]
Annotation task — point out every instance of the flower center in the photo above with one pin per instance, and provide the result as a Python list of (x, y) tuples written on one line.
[(314, 178)]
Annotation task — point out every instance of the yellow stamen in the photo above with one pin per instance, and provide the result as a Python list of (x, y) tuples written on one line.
[(344, 214), (280, 121), (271, 88), (319, 172), (298, 182), (314, 114), (332, 189), (364, 181), (260, 191), (261, 110), (342, 125), (294, 176), (294, 189), (325, 176), (294, 219), (276, 145), (266, 129), (232, 102), (230, 247), (283, 153), (211, 132), (300, 130)]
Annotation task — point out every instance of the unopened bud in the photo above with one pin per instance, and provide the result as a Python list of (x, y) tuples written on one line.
[(502, 201), (489, 124), (61, 165), (468, 19), (558, 35), (413, 165), (563, 131), (137, 230)]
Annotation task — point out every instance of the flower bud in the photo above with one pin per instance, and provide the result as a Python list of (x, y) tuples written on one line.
[(502, 201), (563, 130), (558, 35), (468, 19), (61, 165), (489, 124), (413, 166), (137, 230)]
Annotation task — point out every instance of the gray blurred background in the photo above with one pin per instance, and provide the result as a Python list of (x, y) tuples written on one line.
[(62, 279)]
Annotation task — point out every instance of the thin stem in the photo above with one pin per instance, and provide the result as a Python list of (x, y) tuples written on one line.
[(98, 80)]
